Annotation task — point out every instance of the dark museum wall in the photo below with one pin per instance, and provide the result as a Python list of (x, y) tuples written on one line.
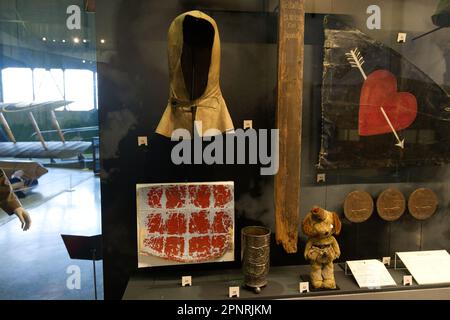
[(133, 92)]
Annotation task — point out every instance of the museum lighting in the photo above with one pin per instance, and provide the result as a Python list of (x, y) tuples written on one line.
[(44, 39), (63, 41), (85, 41), (76, 40), (103, 41)]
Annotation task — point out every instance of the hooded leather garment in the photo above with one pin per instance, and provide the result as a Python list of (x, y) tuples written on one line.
[(194, 72)]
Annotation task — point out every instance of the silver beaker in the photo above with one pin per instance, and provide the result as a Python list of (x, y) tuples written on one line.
[(255, 256)]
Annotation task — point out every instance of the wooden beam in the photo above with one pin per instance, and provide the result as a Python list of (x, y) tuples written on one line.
[(289, 121), (56, 125), (89, 5), (7, 128), (37, 130)]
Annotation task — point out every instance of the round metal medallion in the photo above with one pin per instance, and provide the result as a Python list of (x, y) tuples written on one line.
[(358, 206), (422, 203), (391, 204)]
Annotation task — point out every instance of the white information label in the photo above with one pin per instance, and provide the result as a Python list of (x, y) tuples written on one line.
[(142, 141), (186, 281), (427, 267), (401, 38), (387, 261), (304, 287), (407, 280), (321, 177), (371, 273), (233, 292)]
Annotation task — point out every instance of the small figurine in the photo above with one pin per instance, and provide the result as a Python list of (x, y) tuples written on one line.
[(322, 248)]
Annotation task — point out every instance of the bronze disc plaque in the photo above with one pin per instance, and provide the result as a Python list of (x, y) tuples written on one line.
[(422, 203), (358, 206), (391, 204)]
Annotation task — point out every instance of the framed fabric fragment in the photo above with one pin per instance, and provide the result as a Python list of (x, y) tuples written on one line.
[(185, 223), (378, 109)]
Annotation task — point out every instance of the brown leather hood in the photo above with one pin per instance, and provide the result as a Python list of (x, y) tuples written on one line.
[(211, 108)]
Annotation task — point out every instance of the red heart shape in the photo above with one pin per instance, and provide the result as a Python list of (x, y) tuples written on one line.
[(380, 90)]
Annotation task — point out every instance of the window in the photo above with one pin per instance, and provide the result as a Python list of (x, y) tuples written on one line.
[(48, 85), (80, 89), (26, 85), (17, 85)]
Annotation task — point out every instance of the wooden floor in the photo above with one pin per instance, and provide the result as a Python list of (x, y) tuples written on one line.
[(56, 149)]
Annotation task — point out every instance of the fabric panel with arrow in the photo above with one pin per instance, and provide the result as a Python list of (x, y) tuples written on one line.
[(378, 109)]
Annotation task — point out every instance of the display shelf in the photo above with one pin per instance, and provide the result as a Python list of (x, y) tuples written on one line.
[(283, 283)]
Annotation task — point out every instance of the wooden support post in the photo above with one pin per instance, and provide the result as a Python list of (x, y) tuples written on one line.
[(56, 125), (7, 128), (37, 130), (289, 121)]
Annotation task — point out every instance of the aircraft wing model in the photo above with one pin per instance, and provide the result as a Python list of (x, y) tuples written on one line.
[(31, 149), (30, 106), (23, 175)]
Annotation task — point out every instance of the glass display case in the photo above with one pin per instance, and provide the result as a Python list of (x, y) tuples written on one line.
[(356, 91), (321, 126)]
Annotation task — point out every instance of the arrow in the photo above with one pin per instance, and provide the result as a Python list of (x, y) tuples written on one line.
[(401, 143), (356, 60)]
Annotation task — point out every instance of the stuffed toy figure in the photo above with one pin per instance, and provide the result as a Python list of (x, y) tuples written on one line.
[(322, 248)]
